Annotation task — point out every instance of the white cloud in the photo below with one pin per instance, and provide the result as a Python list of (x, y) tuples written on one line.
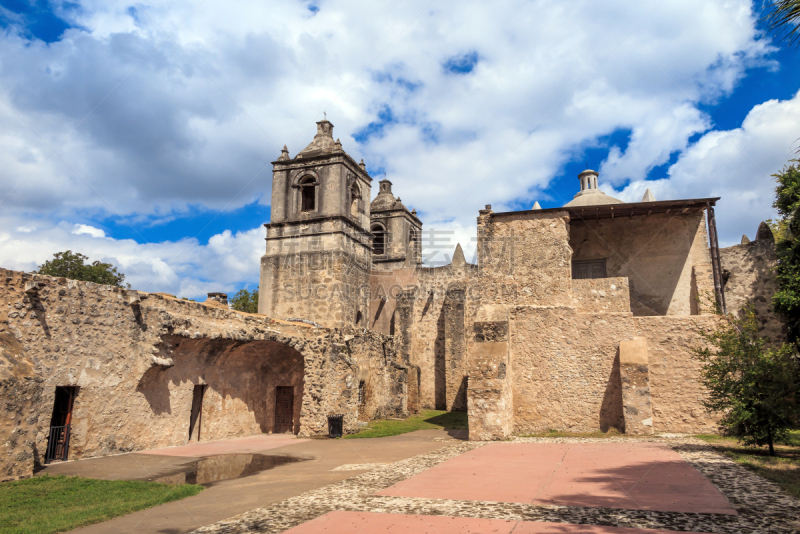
[(79, 229), (736, 165), (116, 119), (185, 268)]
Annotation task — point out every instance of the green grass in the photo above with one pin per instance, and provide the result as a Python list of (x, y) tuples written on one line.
[(381, 428), (783, 469), (57, 503)]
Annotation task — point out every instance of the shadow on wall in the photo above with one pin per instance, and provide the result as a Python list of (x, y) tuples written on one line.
[(611, 415), (439, 365), (248, 372)]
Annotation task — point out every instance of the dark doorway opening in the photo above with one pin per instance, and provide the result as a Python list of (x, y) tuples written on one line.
[(284, 409), (196, 418), (60, 422)]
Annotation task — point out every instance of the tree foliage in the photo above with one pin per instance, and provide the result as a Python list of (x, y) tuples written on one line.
[(753, 386), (787, 272), (245, 301), (73, 265), (783, 17)]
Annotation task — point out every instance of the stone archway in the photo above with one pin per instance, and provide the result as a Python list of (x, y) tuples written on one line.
[(240, 383)]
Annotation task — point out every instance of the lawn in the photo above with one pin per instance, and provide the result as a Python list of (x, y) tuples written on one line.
[(783, 469), (381, 428), (58, 503)]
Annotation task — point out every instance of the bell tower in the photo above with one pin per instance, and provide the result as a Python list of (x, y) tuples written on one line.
[(319, 250)]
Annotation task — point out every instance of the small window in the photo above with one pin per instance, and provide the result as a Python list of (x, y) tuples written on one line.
[(379, 243), (584, 269), (362, 400), (308, 194), (359, 318)]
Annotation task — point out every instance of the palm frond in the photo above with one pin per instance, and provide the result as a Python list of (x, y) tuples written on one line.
[(783, 18)]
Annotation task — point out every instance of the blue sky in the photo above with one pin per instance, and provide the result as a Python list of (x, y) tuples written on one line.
[(143, 135)]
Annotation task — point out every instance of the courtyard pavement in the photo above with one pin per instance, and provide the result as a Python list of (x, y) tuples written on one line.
[(538, 485), (327, 462)]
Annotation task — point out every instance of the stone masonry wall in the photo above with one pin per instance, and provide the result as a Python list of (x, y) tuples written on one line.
[(599, 295), (655, 253), (567, 368), (748, 272), (675, 390), (137, 365)]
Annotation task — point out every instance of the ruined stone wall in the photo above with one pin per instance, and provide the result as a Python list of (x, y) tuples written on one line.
[(655, 253), (748, 274), (424, 328), (675, 388), (137, 366), (525, 259), (597, 295), (566, 368), (20, 392)]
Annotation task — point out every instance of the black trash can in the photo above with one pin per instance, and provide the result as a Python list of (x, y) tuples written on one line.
[(335, 425)]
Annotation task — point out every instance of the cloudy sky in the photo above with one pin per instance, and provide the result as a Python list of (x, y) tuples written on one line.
[(142, 134)]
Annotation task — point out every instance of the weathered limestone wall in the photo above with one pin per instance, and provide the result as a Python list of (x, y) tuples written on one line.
[(424, 325), (490, 400), (455, 343), (525, 259), (655, 253), (635, 381), (598, 295), (137, 365), (325, 281), (748, 273), (567, 368), (675, 390), (20, 392)]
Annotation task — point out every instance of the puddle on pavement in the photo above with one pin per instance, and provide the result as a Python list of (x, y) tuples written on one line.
[(213, 469)]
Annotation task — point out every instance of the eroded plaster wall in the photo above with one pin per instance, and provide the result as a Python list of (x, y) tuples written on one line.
[(749, 277), (675, 388), (136, 366), (655, 253), (566, 368)]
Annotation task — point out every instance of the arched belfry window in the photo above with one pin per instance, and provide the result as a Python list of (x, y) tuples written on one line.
[(413, 243), (308, 193), (355, 200), (379, 243)]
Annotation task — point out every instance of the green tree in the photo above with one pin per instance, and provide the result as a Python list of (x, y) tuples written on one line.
[(753, 386), (783, 17), (787, 273), (73, 265), (245, 301)]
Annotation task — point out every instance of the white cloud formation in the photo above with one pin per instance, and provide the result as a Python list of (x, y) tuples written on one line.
[(736, 165), (79, 229), (147, 111), (185, 268)]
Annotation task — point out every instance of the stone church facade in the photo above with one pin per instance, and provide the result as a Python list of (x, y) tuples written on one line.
[(574, 318)]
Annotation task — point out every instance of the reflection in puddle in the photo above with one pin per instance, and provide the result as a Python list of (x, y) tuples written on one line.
[(223, 467)]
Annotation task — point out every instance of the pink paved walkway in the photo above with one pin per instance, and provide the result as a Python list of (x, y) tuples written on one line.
[(638, 476), (372, 523), (246, 445)]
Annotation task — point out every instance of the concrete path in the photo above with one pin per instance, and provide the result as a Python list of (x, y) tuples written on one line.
[(230, 497)]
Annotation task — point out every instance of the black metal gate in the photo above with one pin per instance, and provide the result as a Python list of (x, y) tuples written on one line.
[(57, 444)]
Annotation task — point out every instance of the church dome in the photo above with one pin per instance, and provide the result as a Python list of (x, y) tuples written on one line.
[(590, 195)]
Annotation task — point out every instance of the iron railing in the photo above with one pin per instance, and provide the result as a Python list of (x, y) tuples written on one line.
[(57, 444)]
